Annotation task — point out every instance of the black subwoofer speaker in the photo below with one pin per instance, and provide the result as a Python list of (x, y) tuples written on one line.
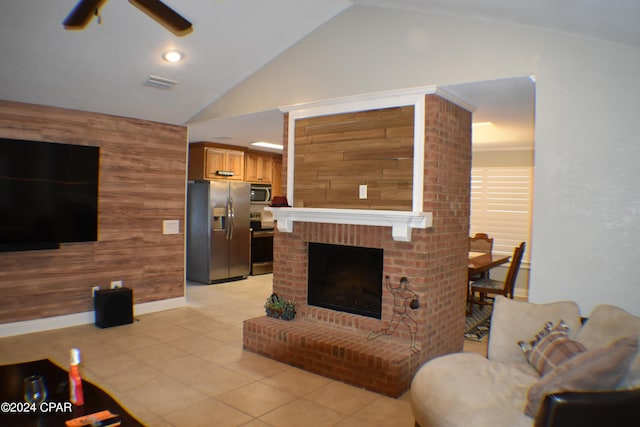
[(113, 307)]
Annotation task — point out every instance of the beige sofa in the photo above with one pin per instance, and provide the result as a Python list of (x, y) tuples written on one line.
[(467, 389)]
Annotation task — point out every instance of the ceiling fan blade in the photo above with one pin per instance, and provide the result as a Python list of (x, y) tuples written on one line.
[(81, 14), (164, 15)]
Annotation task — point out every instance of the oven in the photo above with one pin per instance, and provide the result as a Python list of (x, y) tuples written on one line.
[(261, 252), (261, 243)]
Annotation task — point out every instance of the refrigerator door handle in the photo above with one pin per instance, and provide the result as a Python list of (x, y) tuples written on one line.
[(232, 216), (228, 220)]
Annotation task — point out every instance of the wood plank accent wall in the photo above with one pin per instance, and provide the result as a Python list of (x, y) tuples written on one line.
[(142, 182), (335, 154)]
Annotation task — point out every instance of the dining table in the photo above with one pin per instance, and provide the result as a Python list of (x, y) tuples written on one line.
[(481, 262)]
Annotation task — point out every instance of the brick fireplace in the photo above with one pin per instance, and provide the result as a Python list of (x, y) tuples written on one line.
[(340, 345)]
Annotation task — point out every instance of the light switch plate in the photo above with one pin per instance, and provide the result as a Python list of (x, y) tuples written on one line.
[(171, 226), (363, 191)]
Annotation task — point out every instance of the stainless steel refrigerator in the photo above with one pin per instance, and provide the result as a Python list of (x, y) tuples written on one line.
[(218, 239)]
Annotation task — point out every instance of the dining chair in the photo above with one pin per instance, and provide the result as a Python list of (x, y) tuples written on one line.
[(489, 286), (481, 242)]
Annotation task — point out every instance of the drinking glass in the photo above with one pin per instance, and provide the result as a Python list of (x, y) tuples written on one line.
[(34, 389)]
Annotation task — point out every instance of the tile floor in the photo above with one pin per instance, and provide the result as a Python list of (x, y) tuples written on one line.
[(186, 367)]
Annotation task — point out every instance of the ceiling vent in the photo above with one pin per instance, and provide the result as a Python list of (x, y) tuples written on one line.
[(160, 82)]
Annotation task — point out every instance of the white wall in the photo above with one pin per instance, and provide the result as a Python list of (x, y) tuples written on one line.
[(586, 222), (502, 158)]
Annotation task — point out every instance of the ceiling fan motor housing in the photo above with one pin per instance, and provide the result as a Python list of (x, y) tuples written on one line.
[(84, 10)]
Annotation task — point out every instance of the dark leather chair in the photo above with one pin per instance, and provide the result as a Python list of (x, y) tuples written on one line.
[(590, 409)]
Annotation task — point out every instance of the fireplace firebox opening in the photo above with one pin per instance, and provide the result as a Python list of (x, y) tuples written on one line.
[(346, 278)]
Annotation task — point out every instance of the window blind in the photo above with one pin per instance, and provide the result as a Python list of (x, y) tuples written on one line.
[(501, 206)]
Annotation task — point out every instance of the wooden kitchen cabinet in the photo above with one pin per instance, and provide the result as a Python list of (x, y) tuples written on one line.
[(207, 162), (224, 164), (276, 180), (258, 168)]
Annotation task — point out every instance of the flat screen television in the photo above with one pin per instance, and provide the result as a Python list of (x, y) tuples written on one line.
[(48, 194)]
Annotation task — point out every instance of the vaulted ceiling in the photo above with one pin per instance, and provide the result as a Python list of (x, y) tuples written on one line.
[(105, 68)]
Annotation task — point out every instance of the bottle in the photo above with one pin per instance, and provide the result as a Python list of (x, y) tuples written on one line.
[(76, 396)]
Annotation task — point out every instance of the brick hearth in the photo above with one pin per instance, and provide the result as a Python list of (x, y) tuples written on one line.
[(335, 344), (381, 365)]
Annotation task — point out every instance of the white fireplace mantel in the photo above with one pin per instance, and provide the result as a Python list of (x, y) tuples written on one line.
[(401, 222)]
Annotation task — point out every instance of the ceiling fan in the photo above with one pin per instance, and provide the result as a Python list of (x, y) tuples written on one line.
[(82, 13)]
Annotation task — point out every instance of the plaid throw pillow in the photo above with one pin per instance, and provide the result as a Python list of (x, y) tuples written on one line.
[(551, 347), (597, 369)]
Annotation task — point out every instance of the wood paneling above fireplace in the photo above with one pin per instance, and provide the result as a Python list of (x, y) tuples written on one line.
[(335, 154)]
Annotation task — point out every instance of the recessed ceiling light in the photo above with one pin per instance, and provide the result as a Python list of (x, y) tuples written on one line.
[(268, 145), (173, 56)]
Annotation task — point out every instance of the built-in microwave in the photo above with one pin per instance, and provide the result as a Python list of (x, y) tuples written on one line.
[(260, 194)]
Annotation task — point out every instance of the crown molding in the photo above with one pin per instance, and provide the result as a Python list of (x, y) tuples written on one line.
[(370, 101)]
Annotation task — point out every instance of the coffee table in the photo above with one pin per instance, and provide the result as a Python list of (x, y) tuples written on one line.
[(56, 380)]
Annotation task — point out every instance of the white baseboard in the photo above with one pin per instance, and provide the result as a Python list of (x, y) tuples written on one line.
[(87, 317), (161, 305), (521, 294)]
